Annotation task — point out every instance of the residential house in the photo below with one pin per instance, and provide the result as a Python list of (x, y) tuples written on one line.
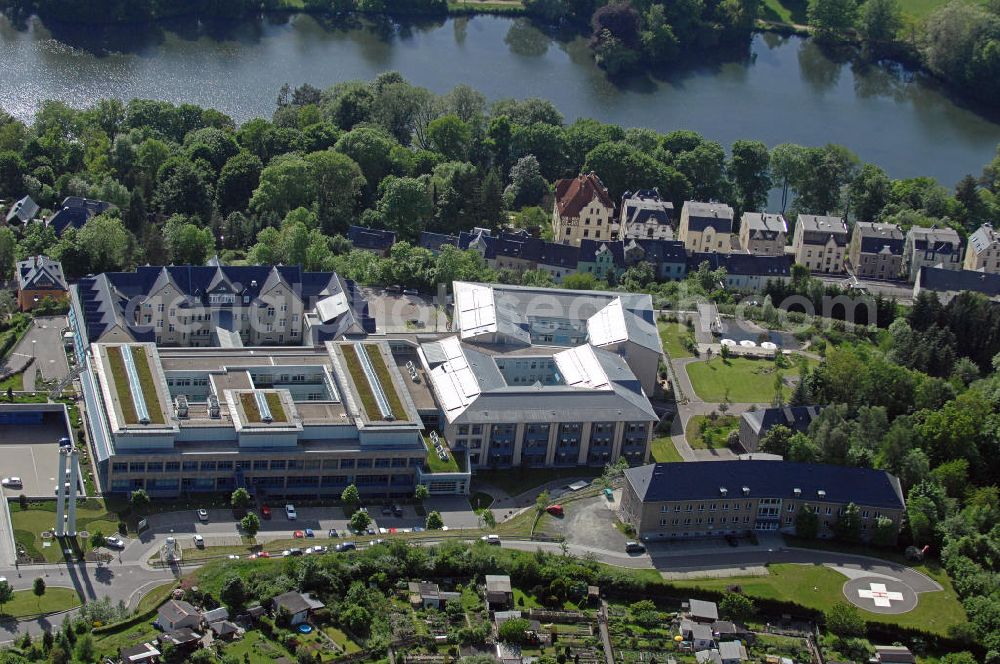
[(948, 283), (297, 605), (820, 243), (726, 630), (732, 652), (931, 247), (745, 271), (698, 634), (644, 215), (375, 240), (144, 653), (755, 424), (39, 277), (983, 250), (894, 655), (218, 305), (710, 498), (668, 257), (499, 593), (224, 629), (185, 637), (605, 260), (215, 615), (876, 250), (703, 611), (429, 595), (763, 234), (433, 242), (706, 227), (558, 260), (582, 210), (75, 212), (22, 211), (176, 613), (710, 656)]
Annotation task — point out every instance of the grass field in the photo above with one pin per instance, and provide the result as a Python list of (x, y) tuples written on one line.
[(26, 604), (672, 335), (436, 464), (748, 381), (91, 515), (715, 434), (155, 597), (664, 451), (820, 587), (794, 11), (14, 382)]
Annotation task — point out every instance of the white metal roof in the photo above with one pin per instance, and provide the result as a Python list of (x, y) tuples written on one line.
[(329, 308), (580, 368), (607, 326), (475, 308), (454, 381)]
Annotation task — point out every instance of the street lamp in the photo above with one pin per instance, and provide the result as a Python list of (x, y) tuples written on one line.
[(33, 342)]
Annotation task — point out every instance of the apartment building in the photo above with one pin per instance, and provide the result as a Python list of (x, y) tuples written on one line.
[(931, 247), (876, 250), (582, 210), (644, 215), (745, 271), (763, 234), (217, 305), (706, 227), (820, 243), (982, 252), (706, 498)]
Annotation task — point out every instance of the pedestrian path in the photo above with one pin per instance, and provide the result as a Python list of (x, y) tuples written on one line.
[(8, 550)]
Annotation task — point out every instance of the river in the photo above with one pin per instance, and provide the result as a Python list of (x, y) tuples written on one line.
[(785, 90)]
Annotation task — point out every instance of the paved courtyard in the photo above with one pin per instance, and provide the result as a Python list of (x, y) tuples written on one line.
[(589, 523), (31, 452)]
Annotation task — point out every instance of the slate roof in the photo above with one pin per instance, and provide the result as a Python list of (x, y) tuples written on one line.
[(702, 215), (179, 637), (661, 251), (702, 480), (750, 265), (984, 238), (40, 273), (76, 212), (106, 298), (434, 241), (796, 418), (589, 249), (373, 239), (880, 238), (944, 280), (23, 210), (645, 206), (764, 225), (177, 609), (293, 602), (934, 239), (818, 229), (572, 195)]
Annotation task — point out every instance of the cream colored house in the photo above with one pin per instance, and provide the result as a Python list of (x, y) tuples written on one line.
[(763, 234), (876, 250), (582, 210), (706, 227), (820, 243), (982, 252)]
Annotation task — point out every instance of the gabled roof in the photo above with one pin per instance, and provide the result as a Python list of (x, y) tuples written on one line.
[(23, 210), (747, 265), (984, 238), (434, 241), (76, 212), (818, 229), (177, 609), (704, 480), (590, 249), (934, 239), (292, 601), (703, 610), (572, 195), (374, 239), (646, 207), (40, 273), (703, 215), (880, 238), (660, 251), (796, 418), (764, 225)]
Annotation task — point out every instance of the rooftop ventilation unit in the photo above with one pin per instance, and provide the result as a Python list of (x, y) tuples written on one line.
[(262, 407), (723, 491), (797, 492), (136, 387), (214, 411), (746, 491), (821, 493), (181, 405)]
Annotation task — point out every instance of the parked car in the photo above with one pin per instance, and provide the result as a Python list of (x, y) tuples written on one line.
[(114, 542), (346, 546), (203, 516), (397, 510), (295, 551), (634, 547), (199, 541), (316, 549), (233, 556), (290, 512), (264, 554), (310, 533), (555, 510), (265, 511), (298, 534), (333, 533), (411, 291), (491, 539), (12, 482)]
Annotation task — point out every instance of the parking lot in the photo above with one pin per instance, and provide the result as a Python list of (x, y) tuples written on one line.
[(31, 452), (589, 522)]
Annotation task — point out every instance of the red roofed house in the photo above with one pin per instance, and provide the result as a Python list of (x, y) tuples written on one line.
[(583, 209)]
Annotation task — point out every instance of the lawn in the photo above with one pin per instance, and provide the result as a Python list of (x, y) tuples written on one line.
[(703, 433), (794, 11), (155, 597), (91, 515), (819, 587), (54, 600), (256, 649), (673, 334), (664, 450), (438, 465), (747, 381), (13, 382), (149, 395), (249, 402), (515, 481), (342, 640)]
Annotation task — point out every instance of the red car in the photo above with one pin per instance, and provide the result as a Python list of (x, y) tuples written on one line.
[(555, 510), (263, 554), (265, 511), (298, 534)]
